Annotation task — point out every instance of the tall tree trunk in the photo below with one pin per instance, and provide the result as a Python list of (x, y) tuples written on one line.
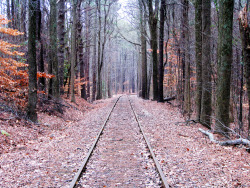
[(80, 53), (61, 35), (94, 60), (23, 18), (144, 76), (13, 15), (245, 38), (124, 72), (153, 26), (206, 101), (99, 82), (182, 59), (187, 99), (87, 51), (73, 52), (41, 81), (53, 49), (39, 20), (109, 76), (241, 98), (8, 12), (198, 55), (224, 66), (32, 98), (133, 74), (161, 42)]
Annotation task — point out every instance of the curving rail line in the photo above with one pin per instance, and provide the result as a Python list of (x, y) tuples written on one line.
[(84, 164)]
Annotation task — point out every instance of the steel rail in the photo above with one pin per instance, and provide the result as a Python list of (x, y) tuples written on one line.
[(77, 176), (158, 167)]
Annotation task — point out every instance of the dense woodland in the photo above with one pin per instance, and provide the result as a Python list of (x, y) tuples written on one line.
[(193, 54)]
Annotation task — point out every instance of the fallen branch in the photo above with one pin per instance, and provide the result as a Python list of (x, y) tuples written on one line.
[(169, 99), (228, 142), (183, 135), (188, 122)]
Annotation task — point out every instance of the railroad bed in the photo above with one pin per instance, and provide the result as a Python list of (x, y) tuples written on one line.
[(121, 155)]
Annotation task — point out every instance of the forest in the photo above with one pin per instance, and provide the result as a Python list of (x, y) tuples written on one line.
[(194, 53), (66, 58)]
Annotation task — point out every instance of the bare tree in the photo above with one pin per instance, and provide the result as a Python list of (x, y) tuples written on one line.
[(32, 98), (224, 66)]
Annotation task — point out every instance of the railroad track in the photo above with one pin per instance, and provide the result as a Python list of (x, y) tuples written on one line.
[(82, 168)]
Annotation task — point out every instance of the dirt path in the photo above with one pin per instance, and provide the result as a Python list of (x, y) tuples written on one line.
[(121, 158)]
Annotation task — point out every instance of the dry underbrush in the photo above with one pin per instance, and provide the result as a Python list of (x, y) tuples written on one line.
[(21, 130)]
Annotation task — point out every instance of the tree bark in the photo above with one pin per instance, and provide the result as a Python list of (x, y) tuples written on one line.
[(23, 18), (80, 54), (13, 15), (206, 101), (87, 51), (41, 81), (61, 35), (143, 51), (73, 52), (198, 55), (8, 12), (99, 84), (94, 60), (53, 49), (153, 26), (161, 55), (244, 23), (187, 89), (224, 66), (32, 98)]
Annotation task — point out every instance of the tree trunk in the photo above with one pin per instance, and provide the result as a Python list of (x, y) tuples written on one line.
[(153, 26), (32, 98), (198, 55), (245, 38), (99, 81), (94, 61), (8, 12), (80, 53), (53, 49), (182, 59), (187, 97), (73, 52), (224, 66), (13, 15), (87, 51), (124, 72), (206, 106), (41, 81), (133, 74), (61, 35), (161, 42), (23, 17), (143, 52)]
